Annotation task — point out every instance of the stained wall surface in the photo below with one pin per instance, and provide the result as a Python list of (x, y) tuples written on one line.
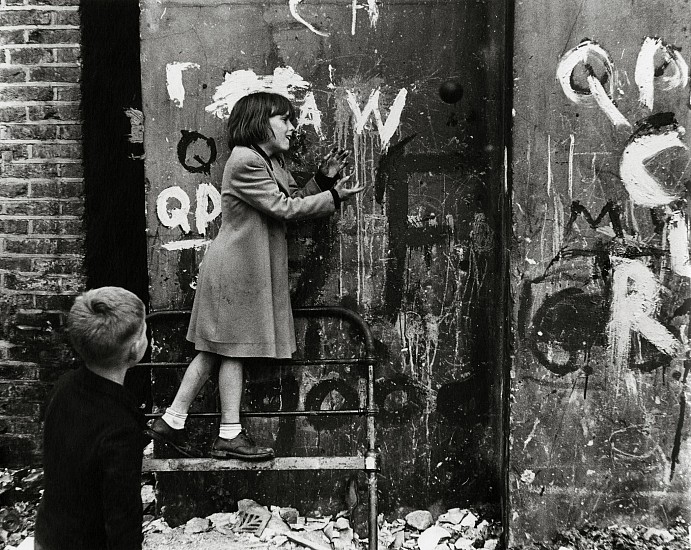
[(416, 254), (600, 265)]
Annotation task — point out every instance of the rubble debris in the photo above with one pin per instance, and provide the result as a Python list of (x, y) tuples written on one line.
[(431, 536), (618, 537), (419, 519), (20, 494), (197, 525)]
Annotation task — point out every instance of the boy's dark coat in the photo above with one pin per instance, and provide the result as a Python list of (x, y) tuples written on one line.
[(93, 447)]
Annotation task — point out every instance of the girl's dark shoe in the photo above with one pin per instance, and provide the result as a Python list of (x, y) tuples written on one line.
[(242, 446), (160, 431)]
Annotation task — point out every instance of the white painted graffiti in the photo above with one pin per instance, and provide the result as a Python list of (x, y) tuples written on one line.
[(174, 85), (173, 205), (636, 290), (371, 7)]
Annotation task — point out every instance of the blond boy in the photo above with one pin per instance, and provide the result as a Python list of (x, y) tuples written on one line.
[(93, 432)]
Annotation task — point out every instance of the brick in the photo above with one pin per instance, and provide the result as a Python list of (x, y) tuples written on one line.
[(31, 246), (13, 190), (66, 18), (11, 37), (70, 131), (39, 319), (57, 150), (32, 208), (26, 93), (69, 55), (15, 264), (68, 93), (22, 408), (72, 208), (13, 151), (18, 372), (55, 189), (14, 227), (54, 112), (31, 56), (57, 227), (70, 170), (62, 266), (41, 282), (29, 170), (56, 301), (18, 425), (18, 301), (25, 391), (55, 74), (12, 74), (71, 246), (54, 36), (16, 18), (39, 132), (54, 2)]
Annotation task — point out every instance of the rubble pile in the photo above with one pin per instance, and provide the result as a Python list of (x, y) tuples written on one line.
[(256, 526), (20, 493), (619, 537)]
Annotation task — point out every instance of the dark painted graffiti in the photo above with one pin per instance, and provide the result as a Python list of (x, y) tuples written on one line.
[(196, 152), (614, 211), (565, 329)]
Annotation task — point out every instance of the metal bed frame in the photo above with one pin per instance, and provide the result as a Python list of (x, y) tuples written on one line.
[(369, 463)]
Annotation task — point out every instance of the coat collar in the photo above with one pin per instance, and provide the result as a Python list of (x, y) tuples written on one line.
[(266, 158)]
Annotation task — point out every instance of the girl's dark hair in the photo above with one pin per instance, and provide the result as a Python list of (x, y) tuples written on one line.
[(249, 119)]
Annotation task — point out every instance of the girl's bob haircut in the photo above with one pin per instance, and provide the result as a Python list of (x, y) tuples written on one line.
[(249, 119)]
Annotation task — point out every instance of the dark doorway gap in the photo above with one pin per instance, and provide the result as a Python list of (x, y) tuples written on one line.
[(113, 168)]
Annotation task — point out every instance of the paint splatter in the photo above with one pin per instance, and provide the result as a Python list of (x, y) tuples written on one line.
[(174, 85), (635, 301), (647, 73), (590, 53), (284, 81), (643, 188)]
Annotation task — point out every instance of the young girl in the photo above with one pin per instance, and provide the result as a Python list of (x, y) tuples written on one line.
[(242, 302)]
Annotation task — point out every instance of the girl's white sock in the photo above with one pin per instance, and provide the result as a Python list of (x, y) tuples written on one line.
[(174, 419), (229, 431)]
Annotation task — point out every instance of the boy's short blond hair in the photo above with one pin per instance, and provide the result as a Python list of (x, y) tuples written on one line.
[(102, 320)]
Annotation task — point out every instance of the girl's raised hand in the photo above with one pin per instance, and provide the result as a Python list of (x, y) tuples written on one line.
[(344, 193), (334, 162)]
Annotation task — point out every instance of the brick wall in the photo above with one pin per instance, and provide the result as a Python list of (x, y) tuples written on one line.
[(41, 207)]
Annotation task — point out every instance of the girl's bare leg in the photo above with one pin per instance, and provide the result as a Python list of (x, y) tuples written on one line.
[(230, 388), (195, 377), (232, 441)]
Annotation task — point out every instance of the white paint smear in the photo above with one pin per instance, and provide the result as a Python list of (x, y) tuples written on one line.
[(577, 55), (676, 74), (311, 115), (678, 238), (284, 81), (635, 295), (644, 189), (176, 216), (645, 71), (186, 244), (293, 6), (205, 193), (604, 101), (372, 12), (176, 90), (361, 117)]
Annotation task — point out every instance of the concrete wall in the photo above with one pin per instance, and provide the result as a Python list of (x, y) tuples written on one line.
[(599, 415), (416, 254), (41, 204)]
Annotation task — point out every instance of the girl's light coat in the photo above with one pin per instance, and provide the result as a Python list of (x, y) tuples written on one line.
[(242, 303)]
